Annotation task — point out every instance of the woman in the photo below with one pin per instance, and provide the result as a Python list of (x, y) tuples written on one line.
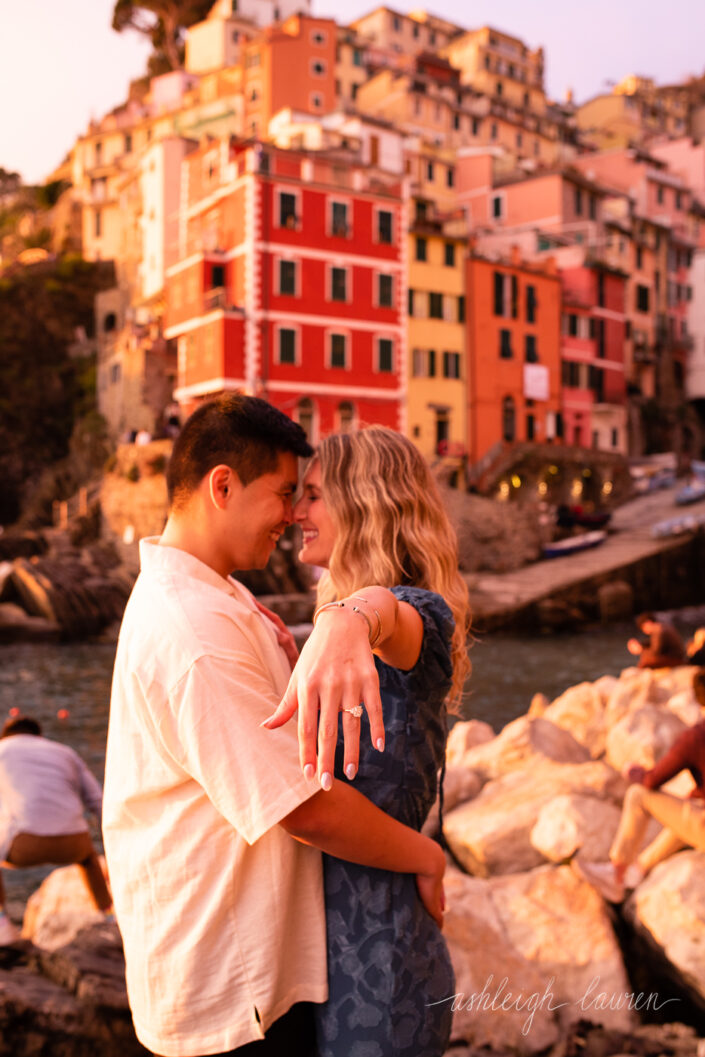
[(371, 514)]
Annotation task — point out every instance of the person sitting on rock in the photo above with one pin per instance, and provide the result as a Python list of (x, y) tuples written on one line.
[(665, 648), (683, 820), (45, 787)]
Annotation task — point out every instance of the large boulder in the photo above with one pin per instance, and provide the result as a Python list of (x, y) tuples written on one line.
[(581, 711), (642, 736), (492, 833), (667, 911), (59, 909), (466, 735), (523, 743), (632, 690), (533, 953), (570, 823), (459, 786)]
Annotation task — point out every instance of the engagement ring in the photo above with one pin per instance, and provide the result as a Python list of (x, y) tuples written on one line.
[(355, 711)]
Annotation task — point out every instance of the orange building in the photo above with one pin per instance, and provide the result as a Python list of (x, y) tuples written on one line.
[(292, 64), (514, 353)]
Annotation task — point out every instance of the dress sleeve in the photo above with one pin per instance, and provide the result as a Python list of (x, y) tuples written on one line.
[(434, 667)]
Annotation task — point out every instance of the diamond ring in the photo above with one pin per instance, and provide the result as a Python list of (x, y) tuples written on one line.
[(355, 711)]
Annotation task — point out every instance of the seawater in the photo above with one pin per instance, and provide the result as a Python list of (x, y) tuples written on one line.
[(41, 680)]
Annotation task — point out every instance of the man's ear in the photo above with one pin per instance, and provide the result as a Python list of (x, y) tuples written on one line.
[(222, 483)]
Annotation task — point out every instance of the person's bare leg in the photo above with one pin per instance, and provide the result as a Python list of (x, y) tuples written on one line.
[(28, 849)]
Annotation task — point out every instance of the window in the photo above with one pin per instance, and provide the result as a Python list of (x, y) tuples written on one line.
[(530, 427), (357, 57), (418, 363), (601, 347), (508, 419), (601, 289), (596, 382), (385, 286), (442, 430), (476, 124), (639, 257), (450, 176), (570, 374), (98, 152), (526, 98), (449, 255), (318, 38), (431, 363), (678, 200), (305, 416), (287, 277), (339, 284), (287, 210), (127, 143), (461, 309), (493, 130), (592, 207), (506, 295), (115, 373), (316, 101), (429, 170), (578, 201), (572, 325), (505, 344), (97, 223), (318, 68), (410, 302), (338, 350), (385, 357), (339, 219), (110, 322), (530, 352), (530, 304), (287, 345), (519, 139), (435, 306), (421, 249), (451, 365), (497, 207), (642, 298), (615, 438), (498, 294), (217, 276), (499, 88), (384, 227)]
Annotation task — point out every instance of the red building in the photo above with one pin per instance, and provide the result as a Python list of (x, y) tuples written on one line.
[(592, 351), (514, 365), (291, 284)]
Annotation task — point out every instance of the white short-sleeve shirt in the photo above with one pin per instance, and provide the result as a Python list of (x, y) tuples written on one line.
[(220, 910)]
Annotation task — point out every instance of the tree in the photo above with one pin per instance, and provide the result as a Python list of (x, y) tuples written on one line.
[(162, 22)]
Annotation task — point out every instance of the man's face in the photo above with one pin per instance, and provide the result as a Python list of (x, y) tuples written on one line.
[(260, 512)]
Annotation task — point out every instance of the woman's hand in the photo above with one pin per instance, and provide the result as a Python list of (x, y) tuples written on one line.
[(633, 773), (634, 647), (284, 637), (430, 889)]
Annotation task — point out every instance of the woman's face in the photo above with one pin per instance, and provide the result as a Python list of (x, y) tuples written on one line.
[(312, 516)]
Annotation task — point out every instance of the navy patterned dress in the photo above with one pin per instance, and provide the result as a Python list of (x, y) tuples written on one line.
[(387, 960)]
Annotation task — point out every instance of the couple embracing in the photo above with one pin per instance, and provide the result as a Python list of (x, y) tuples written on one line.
[(240, 936)]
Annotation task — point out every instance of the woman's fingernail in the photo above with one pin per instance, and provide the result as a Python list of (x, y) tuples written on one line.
[(309, 771), (326, 781), (350, 771), (380, 744), (266, 722)]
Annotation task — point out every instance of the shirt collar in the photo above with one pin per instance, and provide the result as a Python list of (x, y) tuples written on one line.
[(157, 558)]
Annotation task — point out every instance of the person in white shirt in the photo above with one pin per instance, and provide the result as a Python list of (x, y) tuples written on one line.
[(45, 789), (212, 823)]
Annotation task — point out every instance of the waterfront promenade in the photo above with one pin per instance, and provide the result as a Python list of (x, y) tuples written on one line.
[(496, 597)]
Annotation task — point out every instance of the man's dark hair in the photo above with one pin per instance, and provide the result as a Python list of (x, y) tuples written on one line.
[(644, 618), (242, 432), (20, 725)]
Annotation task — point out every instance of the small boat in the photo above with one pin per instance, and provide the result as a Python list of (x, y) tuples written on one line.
[(692, 492), (677, 526), (573, 544)]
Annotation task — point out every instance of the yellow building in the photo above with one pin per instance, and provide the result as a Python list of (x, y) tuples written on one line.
[(437, 399), (499, 65), (635, 110)]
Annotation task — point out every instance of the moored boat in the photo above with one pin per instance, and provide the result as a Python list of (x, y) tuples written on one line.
[(573, 544)]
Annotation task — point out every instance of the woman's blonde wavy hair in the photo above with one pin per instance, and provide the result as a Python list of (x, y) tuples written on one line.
[(391, 527)]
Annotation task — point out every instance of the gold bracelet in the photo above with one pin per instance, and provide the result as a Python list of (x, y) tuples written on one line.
[(378, 634), (342, 605)]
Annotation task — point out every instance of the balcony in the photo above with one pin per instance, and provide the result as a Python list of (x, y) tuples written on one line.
[(217, 299)]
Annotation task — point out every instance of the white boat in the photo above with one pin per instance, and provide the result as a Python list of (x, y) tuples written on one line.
[(573, 544)]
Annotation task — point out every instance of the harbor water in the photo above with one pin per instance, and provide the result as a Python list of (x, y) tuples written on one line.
[(43, 680)]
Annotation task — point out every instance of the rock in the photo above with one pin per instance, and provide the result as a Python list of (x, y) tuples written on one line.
[(59, 909), (571, 823), (642, 736), (685, 706), (459, 786), (667, 910), (615, 601), (631, 691), (466, 735), (604, 687), (522, 742), (538, 706), (16, 625), (581, 711), (533, 953), (491, 834)]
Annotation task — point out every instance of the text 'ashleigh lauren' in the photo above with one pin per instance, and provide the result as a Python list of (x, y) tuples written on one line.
[(504, 999)]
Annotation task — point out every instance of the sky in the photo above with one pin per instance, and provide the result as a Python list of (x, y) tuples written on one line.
[(61, 64)]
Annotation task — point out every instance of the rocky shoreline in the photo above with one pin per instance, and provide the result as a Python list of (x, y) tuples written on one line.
[(543, 964)]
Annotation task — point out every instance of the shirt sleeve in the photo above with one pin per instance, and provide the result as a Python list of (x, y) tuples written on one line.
[(251, 775), (679, 757)]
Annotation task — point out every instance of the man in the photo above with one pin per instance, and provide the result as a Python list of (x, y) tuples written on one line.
[(665, 648), (45, 787), (683, 820), (220, 909)]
